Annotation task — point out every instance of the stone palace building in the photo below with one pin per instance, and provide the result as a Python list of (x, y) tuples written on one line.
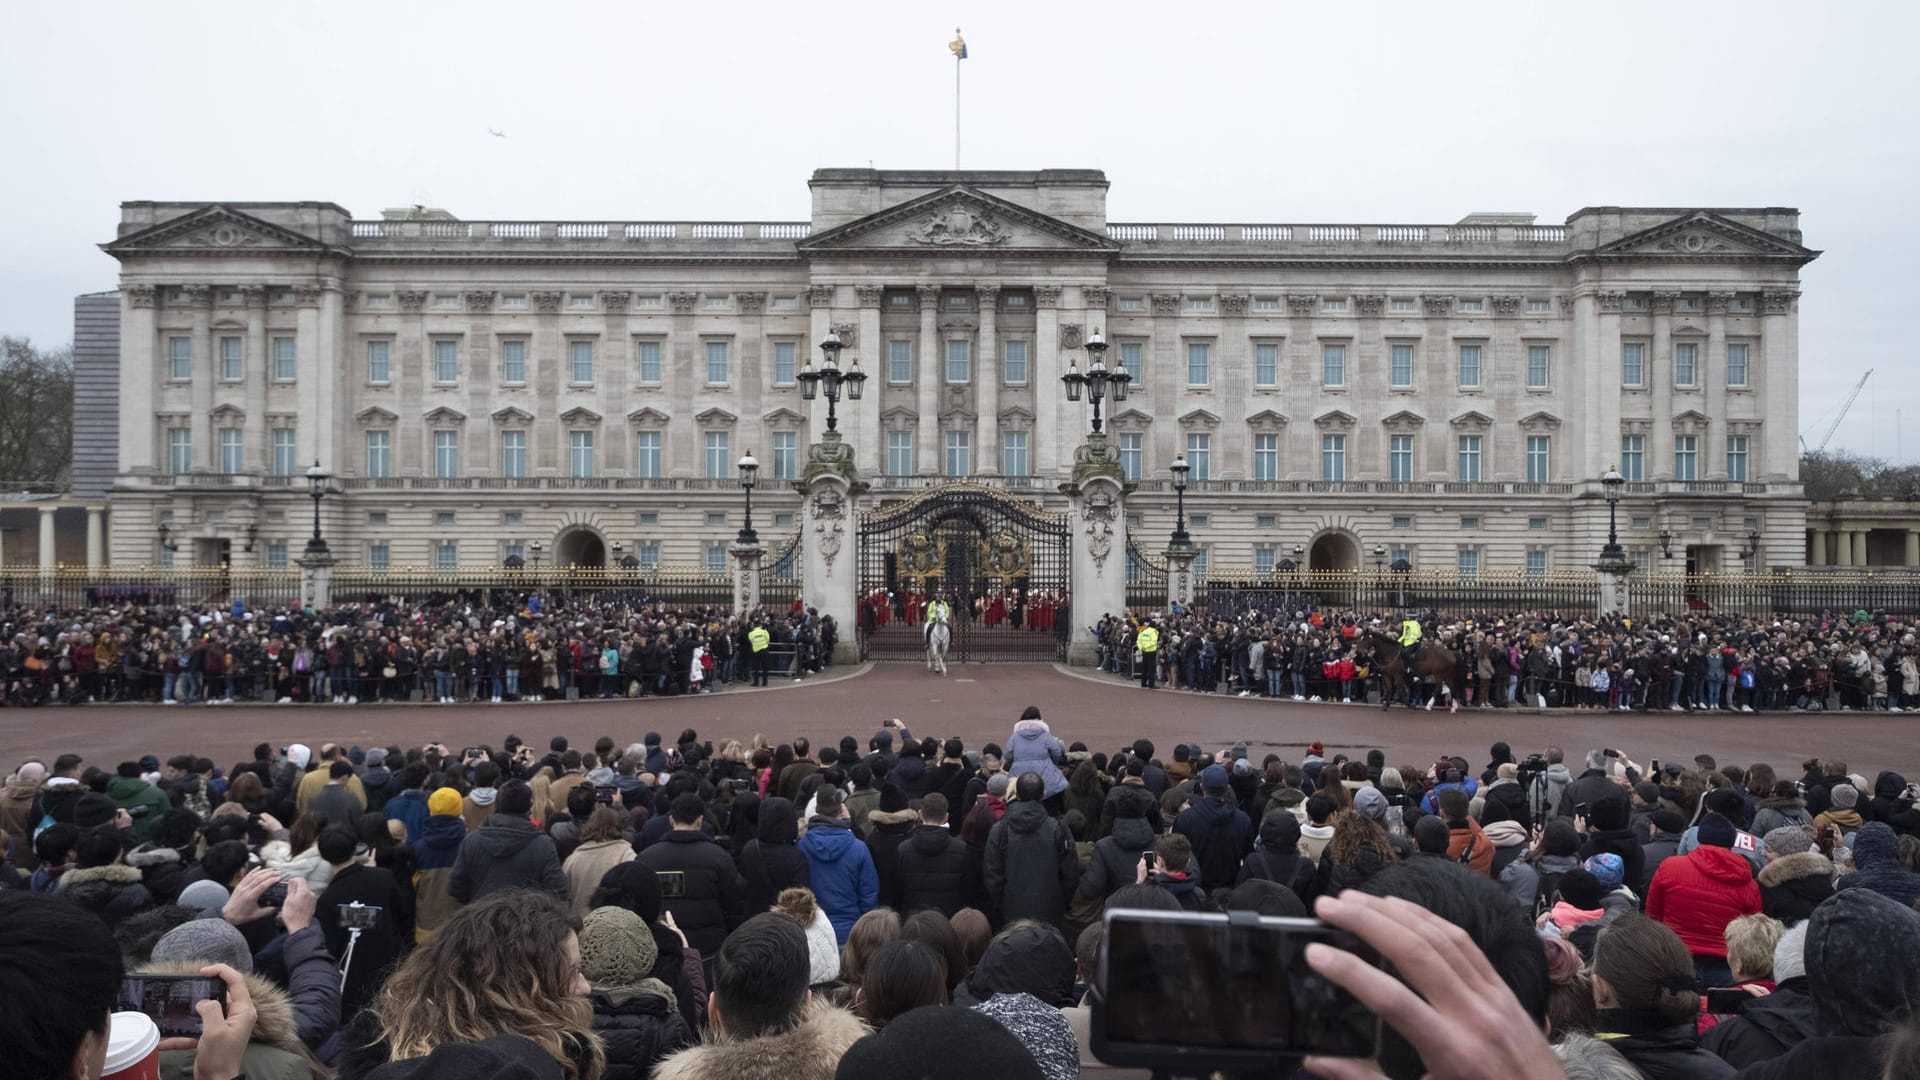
[(1444, 394)]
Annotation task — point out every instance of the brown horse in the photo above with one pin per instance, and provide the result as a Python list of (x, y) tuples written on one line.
[(1436, 665)]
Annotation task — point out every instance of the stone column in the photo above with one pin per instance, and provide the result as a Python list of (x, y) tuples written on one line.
[(1097, 532), (1233, 382), (830, 536), (1859, 547), (316, 579), (46, 537), (1659, 375), (870, 351), (1912, 556), (311, 369), (1777, 378), (142, 369), (986, 426), (1180, 575), (1611, 576), (97, 537), (1817, 546), (1049, 431), (478, 377), (929, 373), (205, 371), (256, 444), (1842, 547), (548, 357), (1712, 376), (746, 576)]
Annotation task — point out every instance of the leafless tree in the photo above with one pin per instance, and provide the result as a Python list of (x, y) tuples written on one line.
[(36, 414)]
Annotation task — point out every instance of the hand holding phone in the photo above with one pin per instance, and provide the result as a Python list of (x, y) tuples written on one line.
[(171, 1001)]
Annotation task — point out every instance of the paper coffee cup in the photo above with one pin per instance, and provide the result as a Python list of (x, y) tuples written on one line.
[(133, 1048)]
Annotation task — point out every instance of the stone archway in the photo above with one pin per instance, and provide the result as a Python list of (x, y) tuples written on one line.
[(581, 547), (1333, 551)]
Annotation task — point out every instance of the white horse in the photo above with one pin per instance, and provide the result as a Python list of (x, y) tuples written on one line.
[(938, 638)]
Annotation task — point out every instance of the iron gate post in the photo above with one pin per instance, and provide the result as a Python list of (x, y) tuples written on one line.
[(1097, 530), (831, 525)]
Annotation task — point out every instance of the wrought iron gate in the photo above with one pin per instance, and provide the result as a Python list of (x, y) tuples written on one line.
[(1001, 562)]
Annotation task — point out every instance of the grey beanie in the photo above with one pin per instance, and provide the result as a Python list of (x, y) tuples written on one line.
[(1788, 840), (1371, 803), (206, 941), (207, 897)]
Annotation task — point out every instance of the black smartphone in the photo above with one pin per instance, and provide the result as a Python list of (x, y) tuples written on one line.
[(1194, 991), (604, 793), (275, 896), (1150, 859), (169, 1000), (1610, 752), (1726, 1000)]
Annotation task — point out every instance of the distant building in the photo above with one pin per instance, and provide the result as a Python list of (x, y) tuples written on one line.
[(1446, 394)]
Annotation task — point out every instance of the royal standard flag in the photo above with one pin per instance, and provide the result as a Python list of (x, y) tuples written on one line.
[(958, 45)]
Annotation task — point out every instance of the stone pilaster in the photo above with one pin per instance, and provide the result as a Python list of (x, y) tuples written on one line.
[(1180, 575), (830, 527), (206, 370), (1611, 576), (1097, 531), (929, 373), (257, 452), (986, 439), (746, 576)]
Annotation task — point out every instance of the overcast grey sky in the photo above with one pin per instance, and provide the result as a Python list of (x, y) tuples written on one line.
[(1257, 111)]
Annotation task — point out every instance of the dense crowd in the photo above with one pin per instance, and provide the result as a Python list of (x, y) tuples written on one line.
[(447, 649), (1697, 660), (902, 906)]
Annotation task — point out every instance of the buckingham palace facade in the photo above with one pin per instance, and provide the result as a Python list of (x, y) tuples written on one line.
[(1444, 394)]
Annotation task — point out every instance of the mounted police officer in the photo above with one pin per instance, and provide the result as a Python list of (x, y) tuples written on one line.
[(1410, 638), (937, 609)]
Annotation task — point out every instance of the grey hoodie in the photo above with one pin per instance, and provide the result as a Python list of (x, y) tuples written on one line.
[(1546, 794)]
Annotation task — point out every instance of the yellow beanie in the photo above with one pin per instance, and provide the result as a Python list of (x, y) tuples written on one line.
[(444, 801)]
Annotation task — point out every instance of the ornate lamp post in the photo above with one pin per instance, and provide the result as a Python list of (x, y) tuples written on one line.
[(1611, 482), (1179, 469), (831, 379), (317, 479), (749, 476), (1096, 380)]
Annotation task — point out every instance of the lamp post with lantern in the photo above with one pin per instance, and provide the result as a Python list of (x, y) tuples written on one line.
[(316, 563), (1614, 567)]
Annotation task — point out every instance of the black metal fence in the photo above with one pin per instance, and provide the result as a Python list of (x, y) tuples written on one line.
[(1146, 581)]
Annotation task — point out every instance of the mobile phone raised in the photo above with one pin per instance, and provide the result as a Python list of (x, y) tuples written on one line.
[(169, 1000)]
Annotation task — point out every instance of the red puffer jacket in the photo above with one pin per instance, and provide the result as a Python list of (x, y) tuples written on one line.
[(1699, 893)]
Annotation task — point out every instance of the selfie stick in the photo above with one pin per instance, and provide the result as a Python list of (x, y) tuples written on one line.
[(346, 962)]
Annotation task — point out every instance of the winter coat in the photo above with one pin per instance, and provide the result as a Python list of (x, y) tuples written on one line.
[(1278, 858), (810, 1050), (113, 892), (1661, 1051), (1622, 842), (162, 869), (588, 864), (1589, 788), (1511, 795), (712, 896), (1546, 795), (1653, 851), (888, 831), (1876, 858), (933, 871), (1699, 893), (274, 1053), (1774, 813), (508, 852), (1793, 885), (1032, 748), (1468, 843), (772, 860), (434, 855), (306, 865), (840, 871), (1115, 859), (1765, 1028), (1137, 794), (1889, 806), (16, 813), (637, 1030), (1221, 835), (1031, 867), (142, 801), (379, 946), (336, 805)]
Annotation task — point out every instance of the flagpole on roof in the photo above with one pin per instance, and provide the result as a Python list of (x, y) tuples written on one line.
[(959, 48)]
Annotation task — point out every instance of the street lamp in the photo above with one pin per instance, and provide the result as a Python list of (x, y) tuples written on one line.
[(1611, 482), (749, 475), (1666, 544), (1179, 470), (830, 378), (317, 479), (1096, 380), (618, 547), (1379, 558), (1753, 545), (535, 549)]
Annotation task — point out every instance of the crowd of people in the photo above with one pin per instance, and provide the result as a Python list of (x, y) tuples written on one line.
[(1691, 661), (444, 649), (901, 906)]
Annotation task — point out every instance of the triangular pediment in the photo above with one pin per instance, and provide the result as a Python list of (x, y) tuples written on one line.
[(1200, 418), (443, 416), (647, 417), (783, 418), (226, 412), (1540, 421), (1472, 420), (580, 415), (512, 416), (1334, 420), (715, 417), (899, 412), (214, 228), (1404, 420), (1704, 236), (1691, 416), (1267, 420), (1016, 415), (374, 414), (958, 218)]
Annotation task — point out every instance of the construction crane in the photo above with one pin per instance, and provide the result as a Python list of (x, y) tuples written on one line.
[(1835, 426)]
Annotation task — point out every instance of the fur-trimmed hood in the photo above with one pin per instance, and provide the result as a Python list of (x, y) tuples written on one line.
[(276, 1025), (895, 817), (115, 874), (810, 1050), (152, 856), (1798, 865)]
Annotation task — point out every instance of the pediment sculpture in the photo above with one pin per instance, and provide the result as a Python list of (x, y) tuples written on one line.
[(957, 225)]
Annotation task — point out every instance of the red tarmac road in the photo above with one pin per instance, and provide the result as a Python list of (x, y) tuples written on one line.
[(978, 703)]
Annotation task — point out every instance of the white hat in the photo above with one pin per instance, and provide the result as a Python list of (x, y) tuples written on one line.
[(299, 754)]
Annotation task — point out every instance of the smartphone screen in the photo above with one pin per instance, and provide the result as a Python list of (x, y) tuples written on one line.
[(1726, 999), (1194, 987), (169, 1000)]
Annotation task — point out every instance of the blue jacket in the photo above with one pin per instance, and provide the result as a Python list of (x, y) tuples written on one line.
[(1034, 749), (840, 871), (409, 808), (1431, 804), (438, 846)]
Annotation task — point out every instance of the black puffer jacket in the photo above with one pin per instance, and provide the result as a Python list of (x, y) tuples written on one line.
[(638, 1030), (508, 852), (1278, 858), (1130, 793), (710, 900), (1767, 1026), (1116, 858), (887, 831), (1031, 865), (1661, 1051), (111, 892), (1791, 886), (772, 861), (1025, 960), (1888, 806), (162, 869), (933, 871)]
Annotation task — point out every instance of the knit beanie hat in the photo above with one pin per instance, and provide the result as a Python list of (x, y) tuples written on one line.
[(1581, 889), (617, 949), (206, 897), (1610, 811), (1716, 831), (823, 950), (1213, 778), (1845, 796), (1044, 1031), (1789, 840), (892, 799), (936, 1042), (376, 757), (1608, 868), (445, 801), (93, 810), (205, 941)]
